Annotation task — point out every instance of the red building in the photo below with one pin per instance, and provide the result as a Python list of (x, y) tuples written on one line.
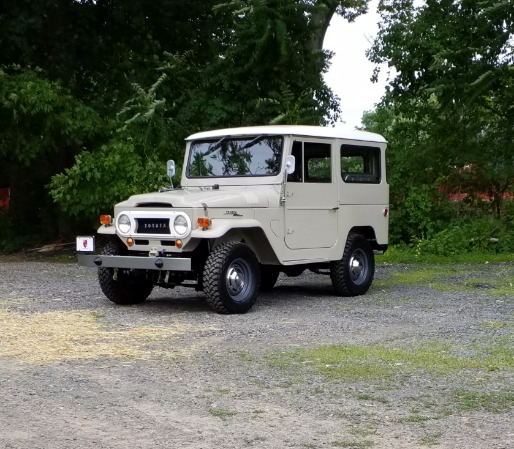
[(5, 196)]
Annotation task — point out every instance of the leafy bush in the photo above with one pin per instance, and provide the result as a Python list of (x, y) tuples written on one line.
[(481, 235), (101, 179)]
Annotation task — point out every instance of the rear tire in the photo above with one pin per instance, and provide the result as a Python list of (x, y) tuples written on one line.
[(117, 284), (231, 278), (353, 274)]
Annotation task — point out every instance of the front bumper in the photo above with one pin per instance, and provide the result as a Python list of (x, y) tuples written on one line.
[(134, 262)]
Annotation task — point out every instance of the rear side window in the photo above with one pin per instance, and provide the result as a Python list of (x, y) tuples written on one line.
[(360, 164)]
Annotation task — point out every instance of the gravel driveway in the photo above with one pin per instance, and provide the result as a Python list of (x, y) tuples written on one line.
[(426, 359)]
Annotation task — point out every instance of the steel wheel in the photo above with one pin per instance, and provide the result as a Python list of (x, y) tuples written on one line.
[(359, 267), (231, 278), (353, 273)]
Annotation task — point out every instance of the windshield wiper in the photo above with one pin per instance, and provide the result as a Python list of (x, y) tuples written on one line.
[(252, 142), (214, 146)]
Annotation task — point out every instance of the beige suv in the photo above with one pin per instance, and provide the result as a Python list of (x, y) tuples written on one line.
[(252, 203)]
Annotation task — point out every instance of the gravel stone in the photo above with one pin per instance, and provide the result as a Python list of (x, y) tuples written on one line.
[(221, 389)]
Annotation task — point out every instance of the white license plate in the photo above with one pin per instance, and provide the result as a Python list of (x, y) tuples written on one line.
[(86, 244)]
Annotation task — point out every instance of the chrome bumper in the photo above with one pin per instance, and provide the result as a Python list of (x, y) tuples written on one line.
[(139, 263)]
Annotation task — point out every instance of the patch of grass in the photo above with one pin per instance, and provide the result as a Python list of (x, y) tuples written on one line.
[(54, 336), (353, 444), (495, 402), (431, 439), (223, 391), (363, 432), (356, 363), (498, 324), (371, 397), (453, 278), (246, 356), (417, 419), (221, 413), (403, 254)]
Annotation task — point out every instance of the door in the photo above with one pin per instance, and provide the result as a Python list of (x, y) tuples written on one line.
[(311, 198)]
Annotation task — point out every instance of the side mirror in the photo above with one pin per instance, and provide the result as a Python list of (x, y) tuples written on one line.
[(171, 169), (290, 165)]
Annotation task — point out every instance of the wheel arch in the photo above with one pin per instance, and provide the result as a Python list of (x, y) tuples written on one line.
[(255, 238), (368, 232)]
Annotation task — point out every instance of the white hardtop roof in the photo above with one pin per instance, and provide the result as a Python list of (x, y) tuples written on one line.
[(292, 130)]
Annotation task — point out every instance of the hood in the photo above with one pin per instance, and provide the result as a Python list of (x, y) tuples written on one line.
[(223, 197)]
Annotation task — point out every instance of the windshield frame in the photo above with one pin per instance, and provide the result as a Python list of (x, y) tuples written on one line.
[(249, 141)]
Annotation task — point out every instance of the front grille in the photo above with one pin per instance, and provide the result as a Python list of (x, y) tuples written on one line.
[(154, 205), (153, 226)]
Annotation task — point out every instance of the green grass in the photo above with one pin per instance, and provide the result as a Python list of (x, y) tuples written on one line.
[(357, 363), (417, 419), (221, 413), (495, 402), (352, 444), (404, 254), (453, 278), (431, 439), (371, 397)]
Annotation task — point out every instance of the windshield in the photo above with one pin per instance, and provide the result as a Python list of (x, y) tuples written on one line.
[(230, 156)]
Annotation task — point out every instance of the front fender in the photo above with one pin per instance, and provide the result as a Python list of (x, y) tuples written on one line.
[(221, 226), (109, 230)]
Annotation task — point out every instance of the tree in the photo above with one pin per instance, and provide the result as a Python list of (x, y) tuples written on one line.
[(43, 127), (453, 76), (124, 80)]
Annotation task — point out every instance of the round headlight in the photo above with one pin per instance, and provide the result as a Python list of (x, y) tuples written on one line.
[(180, 224), (124, 223)]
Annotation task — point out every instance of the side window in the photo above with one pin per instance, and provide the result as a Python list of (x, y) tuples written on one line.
[(312, 163), (318, 164), (360, 164)]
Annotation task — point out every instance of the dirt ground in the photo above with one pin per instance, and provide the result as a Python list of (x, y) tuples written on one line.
[(79, 372)]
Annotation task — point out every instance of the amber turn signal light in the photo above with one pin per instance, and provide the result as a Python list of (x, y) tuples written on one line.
[(106, 220), (178, 244), (130, 241), (204, 222)]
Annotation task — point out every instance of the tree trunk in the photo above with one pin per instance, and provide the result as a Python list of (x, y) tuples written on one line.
[(325, 10)]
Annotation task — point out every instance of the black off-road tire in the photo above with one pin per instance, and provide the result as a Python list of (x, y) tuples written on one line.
[(123, 290), (231, 278), (269, 276), (353, 274)]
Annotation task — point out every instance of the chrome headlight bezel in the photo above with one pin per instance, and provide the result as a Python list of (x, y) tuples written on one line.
[(181, 228), (123, 224)]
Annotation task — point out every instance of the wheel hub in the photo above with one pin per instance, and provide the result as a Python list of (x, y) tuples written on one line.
[(358, 267), (235, 280)]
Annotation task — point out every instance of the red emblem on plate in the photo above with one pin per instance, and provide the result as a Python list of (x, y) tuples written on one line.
[(84, 242)]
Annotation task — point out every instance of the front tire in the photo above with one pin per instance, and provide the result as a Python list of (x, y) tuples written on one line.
[(117, 285), (353, 274), (231, 278)]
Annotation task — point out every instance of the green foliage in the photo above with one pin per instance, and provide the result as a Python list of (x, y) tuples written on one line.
[(10, 238), (89, 187), (43, 127), (448, 117), (480, 235), (40, 117)]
